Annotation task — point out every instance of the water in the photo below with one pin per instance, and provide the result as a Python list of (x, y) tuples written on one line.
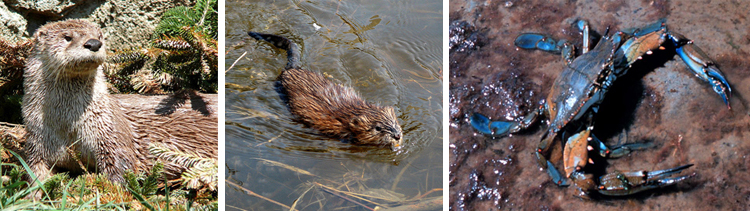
[(390, 52)]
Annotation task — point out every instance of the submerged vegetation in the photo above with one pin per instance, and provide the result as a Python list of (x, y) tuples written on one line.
[(349, 188)]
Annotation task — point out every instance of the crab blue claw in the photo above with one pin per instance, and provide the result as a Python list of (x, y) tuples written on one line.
[(483, 125), (720, 85), (537, 41), (703, 67)]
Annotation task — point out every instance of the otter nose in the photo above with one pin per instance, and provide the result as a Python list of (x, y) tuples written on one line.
[(93, 45)]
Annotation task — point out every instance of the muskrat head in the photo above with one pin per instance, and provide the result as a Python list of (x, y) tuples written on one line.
[(377, 126), (73, 47)]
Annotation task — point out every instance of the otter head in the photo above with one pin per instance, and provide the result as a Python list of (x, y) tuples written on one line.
[(74, 47), (377, 126)]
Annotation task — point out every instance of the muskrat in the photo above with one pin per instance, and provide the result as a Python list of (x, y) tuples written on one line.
[(333, 109), (71, 117)]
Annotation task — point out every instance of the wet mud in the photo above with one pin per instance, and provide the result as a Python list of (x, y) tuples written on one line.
[(658, 102)]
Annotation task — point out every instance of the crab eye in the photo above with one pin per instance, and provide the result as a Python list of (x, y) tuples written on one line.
[(378, 128), (68, 38)]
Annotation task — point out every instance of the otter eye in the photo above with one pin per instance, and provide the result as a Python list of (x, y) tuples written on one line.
[(378, 128), (68, 38)]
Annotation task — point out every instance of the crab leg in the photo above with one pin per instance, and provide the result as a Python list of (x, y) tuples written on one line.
[(627, 183), (575, 158), (585, 29), (542, 150), (651, 37), (616, 152)]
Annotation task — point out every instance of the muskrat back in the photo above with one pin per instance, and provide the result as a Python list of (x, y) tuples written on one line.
[(333, 109)]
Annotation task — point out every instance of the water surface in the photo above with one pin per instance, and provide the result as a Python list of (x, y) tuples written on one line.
[(387, 51)]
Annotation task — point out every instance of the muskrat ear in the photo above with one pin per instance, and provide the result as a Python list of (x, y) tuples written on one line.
[(357, 122)]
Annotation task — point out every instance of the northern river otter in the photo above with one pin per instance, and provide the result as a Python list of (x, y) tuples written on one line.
[(66, 101), (333, 109), (71, 117)]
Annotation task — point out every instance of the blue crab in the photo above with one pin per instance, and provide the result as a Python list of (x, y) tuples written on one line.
[(577, 92)]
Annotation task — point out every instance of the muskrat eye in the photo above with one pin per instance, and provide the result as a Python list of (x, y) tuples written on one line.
[(68, 38), (378, 128)]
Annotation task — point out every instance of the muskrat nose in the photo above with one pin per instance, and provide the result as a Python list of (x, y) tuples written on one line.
[(93, 45), (397, 136)]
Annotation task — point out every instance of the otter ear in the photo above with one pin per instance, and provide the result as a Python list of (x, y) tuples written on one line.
[(39, 33)]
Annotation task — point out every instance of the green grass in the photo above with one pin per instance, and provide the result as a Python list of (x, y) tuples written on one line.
[(143, 191)]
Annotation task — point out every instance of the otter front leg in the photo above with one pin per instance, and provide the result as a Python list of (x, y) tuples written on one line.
[(113, 159), (37, 156), (106, 163), (40, 170)]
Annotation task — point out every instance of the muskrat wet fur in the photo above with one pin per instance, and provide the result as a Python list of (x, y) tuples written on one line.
[(333, 109)]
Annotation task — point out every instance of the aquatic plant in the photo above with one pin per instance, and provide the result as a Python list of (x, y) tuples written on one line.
[(349, 187)]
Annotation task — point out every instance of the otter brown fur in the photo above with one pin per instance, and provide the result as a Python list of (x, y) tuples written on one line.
[(67, 104), (333, 109), (184, 122), (71, 117)]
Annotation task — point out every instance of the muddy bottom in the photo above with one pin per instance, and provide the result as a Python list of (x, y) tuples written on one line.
[(659, 102)]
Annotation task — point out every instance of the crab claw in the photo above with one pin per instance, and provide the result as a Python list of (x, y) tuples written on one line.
[(627, 183), (557, 177), (539, 41), (703, 67), (720, 84), (495, 128)]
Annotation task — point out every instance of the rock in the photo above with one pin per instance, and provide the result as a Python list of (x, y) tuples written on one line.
[(14, 23), (51, 8), (126, 24)]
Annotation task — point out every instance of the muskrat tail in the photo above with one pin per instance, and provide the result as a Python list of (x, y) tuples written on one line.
[(292, 50)]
